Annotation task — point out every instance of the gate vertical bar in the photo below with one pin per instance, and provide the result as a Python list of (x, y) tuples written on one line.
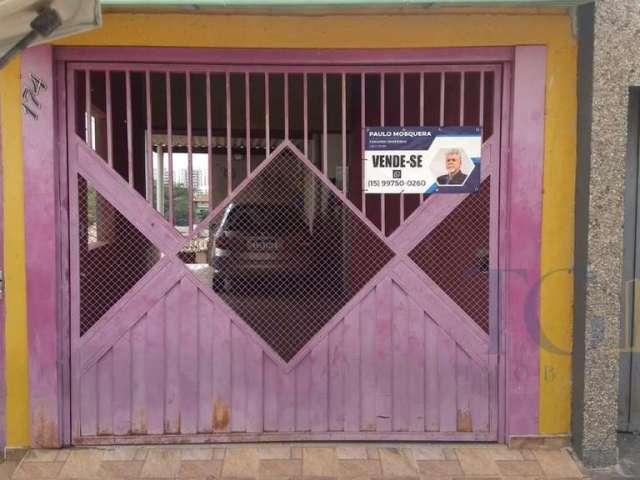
[(383, 213), (267, 133), (305, 107), (160, 181), (344, 134), (442, 78), (107, 77), (169, 147), (189, 153), (325, 166), (227, 87), (402, 99), (402, 125), (461, 99), (503, 78), (421, 113), (286, 106), (87, 108), (499, 120), (362, 135), (247, 115), (209, 151), (149, 161), (74, 260), (129, 128), (481, 110), (63, 241)]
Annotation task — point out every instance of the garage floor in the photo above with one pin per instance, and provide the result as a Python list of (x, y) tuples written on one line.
[(278, 461)]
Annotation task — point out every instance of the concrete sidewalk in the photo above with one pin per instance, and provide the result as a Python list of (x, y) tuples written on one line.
[(312, 461)]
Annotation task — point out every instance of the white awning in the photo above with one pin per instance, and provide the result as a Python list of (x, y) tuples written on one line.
[(17, 15)]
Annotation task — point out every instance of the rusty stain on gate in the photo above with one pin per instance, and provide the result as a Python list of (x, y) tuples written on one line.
[(258, 174)]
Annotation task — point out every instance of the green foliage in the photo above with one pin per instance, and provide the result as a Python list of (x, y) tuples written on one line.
[(180, 204)]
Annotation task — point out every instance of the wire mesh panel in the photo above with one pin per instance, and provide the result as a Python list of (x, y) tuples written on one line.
[(455, 255), (281, 254), (114, 255)]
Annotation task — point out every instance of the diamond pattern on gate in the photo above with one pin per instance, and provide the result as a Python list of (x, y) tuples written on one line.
[(114, 255), (455, 255), (286, 254)]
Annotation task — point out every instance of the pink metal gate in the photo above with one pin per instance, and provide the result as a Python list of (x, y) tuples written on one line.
[(230, 280)]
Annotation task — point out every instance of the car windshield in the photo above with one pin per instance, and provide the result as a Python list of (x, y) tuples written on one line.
[(276, 220)]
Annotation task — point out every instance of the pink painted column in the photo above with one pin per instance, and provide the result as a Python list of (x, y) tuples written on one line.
[(523, 221), (41, 176)]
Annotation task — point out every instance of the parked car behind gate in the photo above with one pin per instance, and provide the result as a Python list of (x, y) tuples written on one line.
[(259, 240)]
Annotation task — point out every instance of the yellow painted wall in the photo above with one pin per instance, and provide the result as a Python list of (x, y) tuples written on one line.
[(423, 28), (16, 355)]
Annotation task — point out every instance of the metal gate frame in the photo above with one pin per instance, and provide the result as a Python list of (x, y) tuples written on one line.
[(520, 202)]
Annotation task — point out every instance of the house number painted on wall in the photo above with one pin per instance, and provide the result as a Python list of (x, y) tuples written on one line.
[(30, 102)]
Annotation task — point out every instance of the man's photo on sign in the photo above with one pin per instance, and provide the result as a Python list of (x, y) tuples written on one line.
[(451, 166)]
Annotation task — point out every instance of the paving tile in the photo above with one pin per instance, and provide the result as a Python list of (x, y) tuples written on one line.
[(438, 477), (219, 453), (401, 477), (561, 441), (359, 468), (235, 478), (279, 468), (502, 452), (320, 462), (522, 468), (373, 453), (83, 463), (557, 464), (200, 469), (121, 454), (63, 455), (7, 468), (241, 462), (450, 454), (428, 452), (196, 453), (352, 453), (121, 469), (527, 442), (37, 470), (296, 452), (15, 454), (440, 467), (398, 462), (528, 454), (274, 453), (40, 455), (161, 463), (477, 461), (483, 478), (142, 453)]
